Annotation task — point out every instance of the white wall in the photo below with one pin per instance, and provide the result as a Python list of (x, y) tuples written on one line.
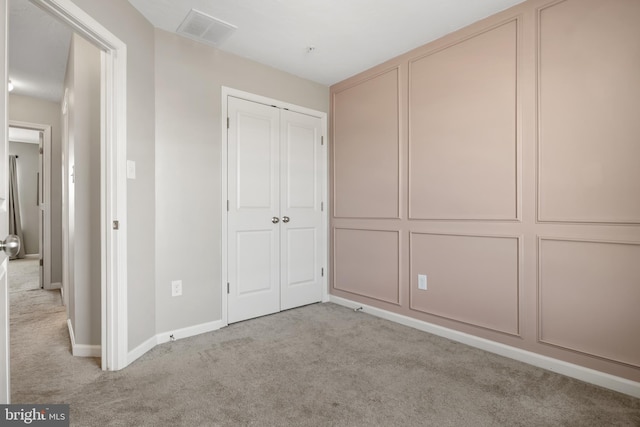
[(27, 170), (126, 23), (32, 110), (189, 77)]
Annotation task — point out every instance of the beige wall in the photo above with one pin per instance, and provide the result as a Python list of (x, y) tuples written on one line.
[(502, 162), (126, 23), (32, 110), (189, 77)]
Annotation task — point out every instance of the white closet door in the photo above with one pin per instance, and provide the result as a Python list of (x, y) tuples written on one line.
[(300, 208), (253, 187)]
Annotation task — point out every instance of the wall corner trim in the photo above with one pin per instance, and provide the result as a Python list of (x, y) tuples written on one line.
[(82, 350), (581, 373), (178, 334)]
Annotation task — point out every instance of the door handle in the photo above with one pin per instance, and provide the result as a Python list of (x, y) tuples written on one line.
[(286, 219), (275, 220), (10, 245)]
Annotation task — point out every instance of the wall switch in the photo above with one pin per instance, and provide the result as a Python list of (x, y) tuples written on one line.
[(131, 169), (176, 288), (422, 282)]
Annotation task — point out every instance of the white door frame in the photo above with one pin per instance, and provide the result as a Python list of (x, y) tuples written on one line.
[(226, 92), (46, 249), (113, 194)]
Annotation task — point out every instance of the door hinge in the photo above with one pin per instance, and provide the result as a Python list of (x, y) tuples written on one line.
[(227, 206), (228, 288), (41, 262), (116, 225), (41, 150), (321, 206), (322, 140), (322, 272), (227, 122)]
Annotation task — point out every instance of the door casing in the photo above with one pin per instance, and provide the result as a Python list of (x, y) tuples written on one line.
[(226, 92), (46, 191)]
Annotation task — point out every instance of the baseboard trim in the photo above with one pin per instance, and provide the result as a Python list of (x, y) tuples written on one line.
[(581, 373), (56, 285), (140, 350), (82, 350), (178, 334)]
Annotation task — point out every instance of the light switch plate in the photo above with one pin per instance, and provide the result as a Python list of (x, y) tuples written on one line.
[(131, 169)]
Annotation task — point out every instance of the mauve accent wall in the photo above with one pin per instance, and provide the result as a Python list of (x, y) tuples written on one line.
[(502, 162)]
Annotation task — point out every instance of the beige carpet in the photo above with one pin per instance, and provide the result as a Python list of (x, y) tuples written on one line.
[(320, 365)]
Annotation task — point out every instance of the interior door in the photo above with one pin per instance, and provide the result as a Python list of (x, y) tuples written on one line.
[(300, 208), (4, 217), (274, 240), (253, 225)]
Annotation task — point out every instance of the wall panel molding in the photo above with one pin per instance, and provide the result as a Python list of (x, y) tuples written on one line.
[(366, 178), (367, 263), (471, 278), (587, 297), (451, 174), (587, 96)]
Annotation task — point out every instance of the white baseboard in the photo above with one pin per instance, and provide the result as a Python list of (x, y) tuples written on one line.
[(82, 350), (591, 376), (178, 334), (140, 350)]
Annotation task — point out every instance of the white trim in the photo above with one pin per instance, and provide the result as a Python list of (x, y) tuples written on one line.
[(113, 186), (581, 373), (225, 93), (143, 348), (82, 350), (190, 331), (178, 334)]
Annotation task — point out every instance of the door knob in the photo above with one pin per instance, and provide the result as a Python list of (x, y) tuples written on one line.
[(10, 245), (285, 219), (275, 220)]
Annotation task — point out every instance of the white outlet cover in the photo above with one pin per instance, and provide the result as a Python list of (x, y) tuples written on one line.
[(422, 282), (176, 288)]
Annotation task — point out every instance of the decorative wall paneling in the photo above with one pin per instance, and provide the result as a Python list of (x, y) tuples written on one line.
[(500, 161)]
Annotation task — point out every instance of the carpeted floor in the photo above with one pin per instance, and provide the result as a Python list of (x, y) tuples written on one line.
[(320, 365)]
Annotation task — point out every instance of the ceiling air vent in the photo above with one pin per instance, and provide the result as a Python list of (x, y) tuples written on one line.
[(205, 28)]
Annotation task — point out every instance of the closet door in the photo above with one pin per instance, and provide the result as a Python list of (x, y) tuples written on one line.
[(300, 209), (274, 231), (253, 250)]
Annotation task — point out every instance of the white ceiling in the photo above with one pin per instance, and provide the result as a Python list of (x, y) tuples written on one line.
[(38, 51), (349, 36)]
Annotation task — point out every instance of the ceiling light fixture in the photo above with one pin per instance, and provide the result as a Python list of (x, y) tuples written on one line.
[(10, 86)]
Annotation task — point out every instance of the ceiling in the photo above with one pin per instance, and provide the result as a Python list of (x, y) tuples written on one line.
[(38, 51), (349, 36), (346, 36)]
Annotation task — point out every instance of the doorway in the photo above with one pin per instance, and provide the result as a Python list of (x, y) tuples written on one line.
[(33, 141), (112, 188), (275, 216)]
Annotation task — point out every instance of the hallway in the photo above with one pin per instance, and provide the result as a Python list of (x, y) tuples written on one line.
[(40, 348)]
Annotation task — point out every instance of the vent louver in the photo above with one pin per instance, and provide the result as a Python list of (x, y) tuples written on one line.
[(205, 28)]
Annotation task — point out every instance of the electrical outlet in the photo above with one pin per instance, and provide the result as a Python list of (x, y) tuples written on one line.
[(176, 288), (422, 282)]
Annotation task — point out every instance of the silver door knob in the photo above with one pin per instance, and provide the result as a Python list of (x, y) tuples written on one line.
[(275, 220), (286, 219), (10, 245)]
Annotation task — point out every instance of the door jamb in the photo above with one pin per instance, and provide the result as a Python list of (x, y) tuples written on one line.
[(113, 192), (226, 92), (46, 130)]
